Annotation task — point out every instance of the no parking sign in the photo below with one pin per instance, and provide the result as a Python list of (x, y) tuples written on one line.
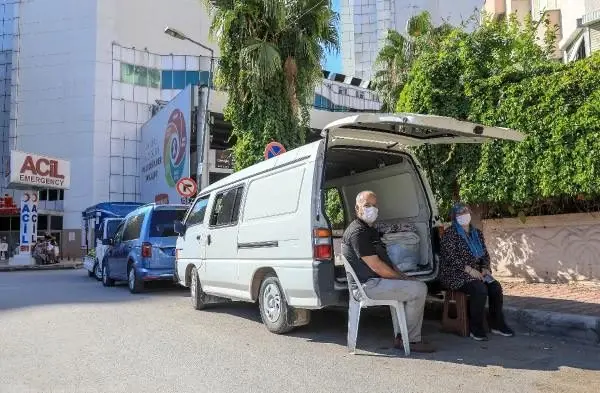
[(273, 149)]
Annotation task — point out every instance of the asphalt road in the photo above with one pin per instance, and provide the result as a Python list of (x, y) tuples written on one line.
[(63, 332)]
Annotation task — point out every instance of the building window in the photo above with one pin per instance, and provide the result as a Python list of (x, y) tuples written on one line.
[(56, 223), (179, 80), (52, 195), (140, 76)]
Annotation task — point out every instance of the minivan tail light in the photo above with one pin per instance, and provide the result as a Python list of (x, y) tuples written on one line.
[(322, 248), (146, 250), (323, 252)]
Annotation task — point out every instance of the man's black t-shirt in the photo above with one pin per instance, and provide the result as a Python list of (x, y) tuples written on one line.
[(361, 240)]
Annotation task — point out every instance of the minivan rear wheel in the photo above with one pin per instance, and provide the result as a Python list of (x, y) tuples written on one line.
[(133, 282), (274, 310), (197, 295)]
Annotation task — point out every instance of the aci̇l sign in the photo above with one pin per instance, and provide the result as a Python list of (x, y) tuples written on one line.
[(29, 215), (31, 170)]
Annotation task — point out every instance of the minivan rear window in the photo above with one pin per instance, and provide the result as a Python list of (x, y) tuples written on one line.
[(162, 222)]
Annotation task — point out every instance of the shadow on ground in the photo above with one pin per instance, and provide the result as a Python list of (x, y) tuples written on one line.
[(375, 339), (43, 288)]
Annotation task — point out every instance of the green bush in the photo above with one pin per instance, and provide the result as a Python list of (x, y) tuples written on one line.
[(498, 75)]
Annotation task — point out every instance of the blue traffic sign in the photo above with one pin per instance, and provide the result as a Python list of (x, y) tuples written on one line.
[(273, 149)]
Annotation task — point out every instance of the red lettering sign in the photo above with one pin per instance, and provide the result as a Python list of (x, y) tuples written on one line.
[(41, 167)]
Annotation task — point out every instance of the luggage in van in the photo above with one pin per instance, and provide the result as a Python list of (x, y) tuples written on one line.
[(403, 248)]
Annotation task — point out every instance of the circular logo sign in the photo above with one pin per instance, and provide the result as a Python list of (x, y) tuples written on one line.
[(187, 187), (175, 148)]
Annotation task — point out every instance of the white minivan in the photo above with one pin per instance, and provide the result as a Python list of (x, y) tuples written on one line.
[(262, 234)]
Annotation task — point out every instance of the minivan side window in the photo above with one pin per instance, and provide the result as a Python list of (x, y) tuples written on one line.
[(133, 227), (197, 212), (226, 208)]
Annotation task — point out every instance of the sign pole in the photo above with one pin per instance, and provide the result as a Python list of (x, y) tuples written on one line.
[(202, 138)]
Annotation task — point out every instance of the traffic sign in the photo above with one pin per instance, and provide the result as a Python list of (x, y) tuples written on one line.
[(187, 187), (273, 149)]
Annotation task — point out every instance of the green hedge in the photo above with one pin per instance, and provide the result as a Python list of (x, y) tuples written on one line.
[(499, 76)]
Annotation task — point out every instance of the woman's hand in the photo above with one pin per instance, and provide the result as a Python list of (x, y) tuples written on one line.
[(476, 274)]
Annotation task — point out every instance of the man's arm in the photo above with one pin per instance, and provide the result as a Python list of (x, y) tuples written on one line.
[(364, 249), (382, 268)]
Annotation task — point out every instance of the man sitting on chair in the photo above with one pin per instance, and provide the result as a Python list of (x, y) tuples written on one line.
[(365, 252)]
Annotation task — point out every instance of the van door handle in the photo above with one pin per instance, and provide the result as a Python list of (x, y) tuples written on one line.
[(208, 240), (198, 237)]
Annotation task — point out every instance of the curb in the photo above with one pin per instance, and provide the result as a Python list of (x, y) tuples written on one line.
[(584, 328), (575, 326), (58, 266)]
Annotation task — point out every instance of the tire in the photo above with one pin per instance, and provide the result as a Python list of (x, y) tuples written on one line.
[(106, 280), (91, 274), (133, 282), (197, 295), (274, 310), (98, 271)]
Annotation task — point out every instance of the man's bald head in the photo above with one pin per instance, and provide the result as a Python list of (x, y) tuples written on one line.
[(366, 206)]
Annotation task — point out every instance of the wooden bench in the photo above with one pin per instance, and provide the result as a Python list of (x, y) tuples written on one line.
[(460, 323)]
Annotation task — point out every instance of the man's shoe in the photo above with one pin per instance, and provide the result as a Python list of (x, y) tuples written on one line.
[(504, 331), (479, 336)]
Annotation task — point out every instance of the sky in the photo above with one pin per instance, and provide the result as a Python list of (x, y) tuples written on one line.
[(333, 62)]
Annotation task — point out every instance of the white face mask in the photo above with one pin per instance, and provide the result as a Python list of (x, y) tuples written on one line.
[(370, 214), (464, 220)]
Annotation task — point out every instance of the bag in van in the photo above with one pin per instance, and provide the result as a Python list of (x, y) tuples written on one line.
[(403, 248)]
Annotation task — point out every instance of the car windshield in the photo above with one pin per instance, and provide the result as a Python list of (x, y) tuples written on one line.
[(162, 223), (111, 228)]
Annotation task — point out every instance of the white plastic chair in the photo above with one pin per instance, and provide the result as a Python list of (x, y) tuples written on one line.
[(360, 301)]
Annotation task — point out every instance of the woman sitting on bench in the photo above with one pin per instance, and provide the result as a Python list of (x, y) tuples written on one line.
[(465, 267)]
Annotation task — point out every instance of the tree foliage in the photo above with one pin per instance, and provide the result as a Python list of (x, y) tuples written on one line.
[(499, 74), (271, 52)]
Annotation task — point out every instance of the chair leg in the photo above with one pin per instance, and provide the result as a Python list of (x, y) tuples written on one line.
[(399, 317), (353, 321)]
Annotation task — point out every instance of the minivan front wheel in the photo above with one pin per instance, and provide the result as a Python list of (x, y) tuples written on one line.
[(106, 280), (196, 293), (274, 310)]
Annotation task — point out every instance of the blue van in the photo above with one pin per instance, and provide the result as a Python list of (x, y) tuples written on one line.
[(143, 247)]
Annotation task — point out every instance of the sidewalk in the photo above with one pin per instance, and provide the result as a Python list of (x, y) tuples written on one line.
[(73, 264), (564, 310), (581, 299)]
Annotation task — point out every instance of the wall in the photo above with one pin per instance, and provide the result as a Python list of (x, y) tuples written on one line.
[(55, 97), (561, 248), (364, 26)]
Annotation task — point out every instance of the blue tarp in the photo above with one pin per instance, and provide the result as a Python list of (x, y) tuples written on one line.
[(110, 210)]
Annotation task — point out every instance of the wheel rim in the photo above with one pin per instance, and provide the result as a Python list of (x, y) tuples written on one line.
[(272, 302), (131, 278), (194, 286)]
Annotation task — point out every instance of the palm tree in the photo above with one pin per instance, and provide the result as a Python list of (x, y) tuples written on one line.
[(395, 59), (271, 53)]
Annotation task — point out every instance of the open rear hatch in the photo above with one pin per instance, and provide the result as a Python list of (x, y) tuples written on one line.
[(389, 131), (396, 132)]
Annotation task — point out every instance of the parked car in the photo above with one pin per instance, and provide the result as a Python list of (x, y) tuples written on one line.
[(100, 223), (262, 234), (93, 263), (143, 248)]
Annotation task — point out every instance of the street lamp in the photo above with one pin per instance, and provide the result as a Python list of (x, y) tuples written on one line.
[(202, 166)]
